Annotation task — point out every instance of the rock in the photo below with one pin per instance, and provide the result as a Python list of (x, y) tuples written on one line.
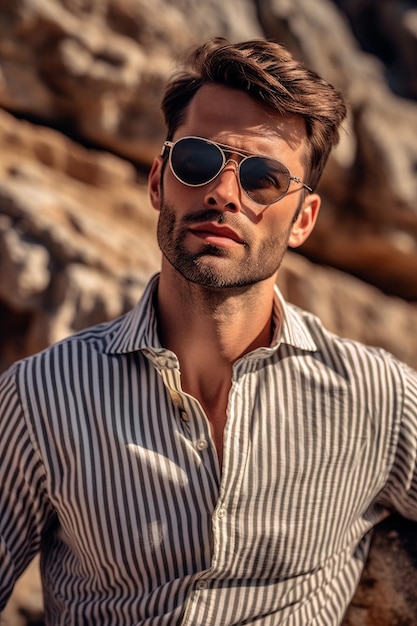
[(351, 308), (370, 189), (98, 68), (392, 38), (80, 84), (77, 237), (387, 595)]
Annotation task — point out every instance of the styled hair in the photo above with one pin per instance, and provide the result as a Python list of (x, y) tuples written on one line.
[(267, 72)]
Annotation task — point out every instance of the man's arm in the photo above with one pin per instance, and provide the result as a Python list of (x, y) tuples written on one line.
[(22, 498), (401, 487)]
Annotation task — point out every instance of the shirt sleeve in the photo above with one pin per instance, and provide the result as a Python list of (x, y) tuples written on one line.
[(402, 483), (23, 504)]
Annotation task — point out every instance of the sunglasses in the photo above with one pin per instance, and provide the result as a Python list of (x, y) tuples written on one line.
[(195, 161)]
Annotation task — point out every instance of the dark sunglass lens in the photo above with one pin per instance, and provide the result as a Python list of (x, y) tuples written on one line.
[(264, 180), (195, 161)]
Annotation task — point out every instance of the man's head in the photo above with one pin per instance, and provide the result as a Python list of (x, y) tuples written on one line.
[(249, 132), (268, 73)]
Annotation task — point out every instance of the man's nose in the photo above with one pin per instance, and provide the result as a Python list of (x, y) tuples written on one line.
[(224, 192)]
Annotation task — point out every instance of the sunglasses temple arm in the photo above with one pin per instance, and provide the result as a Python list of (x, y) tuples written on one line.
[(300, 182), (165, 145)]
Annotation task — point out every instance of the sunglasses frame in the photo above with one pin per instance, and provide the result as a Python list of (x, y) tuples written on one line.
[(224, 149)]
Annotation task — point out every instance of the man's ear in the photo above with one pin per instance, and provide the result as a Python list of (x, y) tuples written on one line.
[(154, 183), (305, 222)]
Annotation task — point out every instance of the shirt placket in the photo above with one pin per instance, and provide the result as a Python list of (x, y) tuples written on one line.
[(202, 599), (193, 418)]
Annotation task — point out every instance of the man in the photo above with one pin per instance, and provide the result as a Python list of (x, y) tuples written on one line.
[(214, 457)]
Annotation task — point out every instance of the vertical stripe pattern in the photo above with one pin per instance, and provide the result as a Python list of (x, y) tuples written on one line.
[(109, 469)]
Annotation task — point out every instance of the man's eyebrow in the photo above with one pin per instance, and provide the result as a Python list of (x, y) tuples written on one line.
[(241, 151)]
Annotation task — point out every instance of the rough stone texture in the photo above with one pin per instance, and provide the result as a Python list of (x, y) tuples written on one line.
[(393, 38), (97, 66), (80, 83), (371, 186), (76, 237)]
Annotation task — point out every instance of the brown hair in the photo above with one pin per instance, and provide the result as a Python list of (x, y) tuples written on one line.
[(267, 72)]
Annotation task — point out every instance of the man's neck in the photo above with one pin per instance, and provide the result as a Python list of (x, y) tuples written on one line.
[(221, 324), (209, 330)]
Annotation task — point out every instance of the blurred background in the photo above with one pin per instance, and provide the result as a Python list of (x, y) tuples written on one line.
[(80, 87)]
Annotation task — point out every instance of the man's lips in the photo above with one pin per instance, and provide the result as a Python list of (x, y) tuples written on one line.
[(212, 232)]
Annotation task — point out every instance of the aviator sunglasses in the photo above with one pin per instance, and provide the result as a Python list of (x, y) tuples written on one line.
[(195, 161)]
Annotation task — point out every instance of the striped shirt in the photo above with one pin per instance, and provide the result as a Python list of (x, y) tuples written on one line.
[(109, 469)]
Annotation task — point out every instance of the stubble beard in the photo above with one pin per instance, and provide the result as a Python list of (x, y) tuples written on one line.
[(205, 268)]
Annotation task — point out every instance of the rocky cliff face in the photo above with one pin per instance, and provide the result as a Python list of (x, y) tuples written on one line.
[(80, 82)]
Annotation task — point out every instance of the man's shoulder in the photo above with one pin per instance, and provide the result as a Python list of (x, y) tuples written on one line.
[(78, 345), (104, 338), (347, 351)]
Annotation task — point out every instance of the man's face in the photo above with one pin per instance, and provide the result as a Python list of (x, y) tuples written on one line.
[(214, 235)]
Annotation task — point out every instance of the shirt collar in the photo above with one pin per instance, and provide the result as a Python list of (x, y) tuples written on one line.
[(137, 330), (294, 330)]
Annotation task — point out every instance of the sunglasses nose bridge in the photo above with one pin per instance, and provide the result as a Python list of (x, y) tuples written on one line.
[(225, 190), (236, 169), (230, 161)]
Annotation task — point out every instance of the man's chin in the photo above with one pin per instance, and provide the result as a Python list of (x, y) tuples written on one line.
[(214, 272), (213, 279)]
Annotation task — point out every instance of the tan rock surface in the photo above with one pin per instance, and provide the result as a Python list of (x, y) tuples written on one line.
[(77, 237), (77, 233)]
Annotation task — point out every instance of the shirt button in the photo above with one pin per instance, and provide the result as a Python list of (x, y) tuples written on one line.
[(221, 512), (175, 397), (161, 360), (201, 444), (202, 584)]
